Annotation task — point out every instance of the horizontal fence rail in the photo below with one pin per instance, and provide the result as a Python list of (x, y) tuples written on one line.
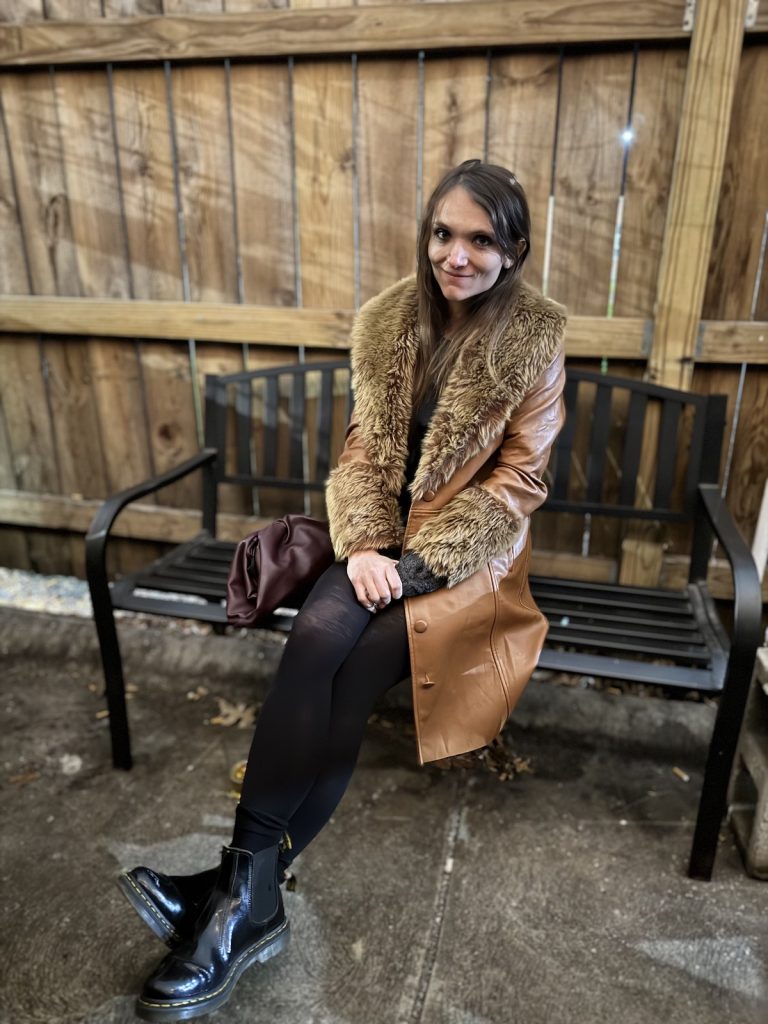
[(429, 26), (737, 341)]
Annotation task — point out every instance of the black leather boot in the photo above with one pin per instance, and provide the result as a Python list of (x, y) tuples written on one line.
[(242, 922), (169, 904)]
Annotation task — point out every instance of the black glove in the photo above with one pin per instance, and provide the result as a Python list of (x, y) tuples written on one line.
[(416, 576)]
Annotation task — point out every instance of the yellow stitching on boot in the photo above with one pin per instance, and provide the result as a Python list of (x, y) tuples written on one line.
[(166, 925), (203, 999)]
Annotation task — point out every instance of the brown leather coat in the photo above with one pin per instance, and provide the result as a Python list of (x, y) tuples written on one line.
[(474, 643)]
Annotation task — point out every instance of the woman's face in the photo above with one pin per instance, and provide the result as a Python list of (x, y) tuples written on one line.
[(465, 256)]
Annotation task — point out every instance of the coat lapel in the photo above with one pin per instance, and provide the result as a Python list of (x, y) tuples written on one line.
[(474, 405)]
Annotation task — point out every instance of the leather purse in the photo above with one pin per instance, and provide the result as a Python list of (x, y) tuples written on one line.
[(276, 566)]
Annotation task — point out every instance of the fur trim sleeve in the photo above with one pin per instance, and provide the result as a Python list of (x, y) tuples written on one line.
[(362, 513), (466, 534)]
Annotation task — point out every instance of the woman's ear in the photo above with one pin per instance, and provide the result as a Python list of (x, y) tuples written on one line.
[(519, 250)]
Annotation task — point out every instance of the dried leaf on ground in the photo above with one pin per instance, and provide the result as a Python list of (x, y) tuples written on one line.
[(241, 714), (496, 758)]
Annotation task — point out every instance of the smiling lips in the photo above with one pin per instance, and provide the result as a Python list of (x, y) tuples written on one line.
[(450, 273)]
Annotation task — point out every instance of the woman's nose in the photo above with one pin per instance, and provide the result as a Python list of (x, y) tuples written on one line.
[(457, 256)]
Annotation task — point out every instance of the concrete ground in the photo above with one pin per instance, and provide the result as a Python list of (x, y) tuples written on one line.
[(558, 896)]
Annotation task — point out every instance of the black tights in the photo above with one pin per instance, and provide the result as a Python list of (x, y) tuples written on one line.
[(338, 661)]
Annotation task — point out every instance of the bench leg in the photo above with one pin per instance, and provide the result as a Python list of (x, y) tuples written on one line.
[(111, 660), (717, 774)]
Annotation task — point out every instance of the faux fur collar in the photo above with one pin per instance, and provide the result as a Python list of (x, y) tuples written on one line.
[(472, 408)]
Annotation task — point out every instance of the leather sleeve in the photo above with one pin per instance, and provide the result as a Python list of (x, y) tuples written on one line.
[(482, 521), (362, 511)]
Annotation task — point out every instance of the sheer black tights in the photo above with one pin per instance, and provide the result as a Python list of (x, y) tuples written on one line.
[(338, 661)]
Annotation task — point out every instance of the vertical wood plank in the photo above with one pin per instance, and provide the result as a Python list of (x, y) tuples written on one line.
[(95, 210), (326, 178), (324, 182), (132, 8), (388, 103), (236, 6), (656, 109), (30, 442), (710, 84), (193, 6), (594, 100), (72, 10), (455, 95), (749, 459), (761, 286), (27, 443), (29, 107), (22, 10), (263, 161), (743, 202), (261, 129), (14, 547), (202, 141), (749, 466), (146, 172), (31, 123), (521, 135), (641, 560), (203, 151), (118, 453)]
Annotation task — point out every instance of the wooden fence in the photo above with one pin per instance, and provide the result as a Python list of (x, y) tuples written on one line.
[(189, 187)]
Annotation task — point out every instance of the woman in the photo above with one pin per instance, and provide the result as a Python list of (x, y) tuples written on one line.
[(457, 376)]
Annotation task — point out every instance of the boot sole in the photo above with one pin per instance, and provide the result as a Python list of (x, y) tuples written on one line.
[(184, 1009), (147, 910)]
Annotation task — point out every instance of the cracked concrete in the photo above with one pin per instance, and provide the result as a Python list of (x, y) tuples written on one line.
[(433, 897)]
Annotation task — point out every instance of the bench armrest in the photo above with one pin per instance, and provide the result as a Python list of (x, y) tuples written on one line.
[(98, 532), (747, 605)]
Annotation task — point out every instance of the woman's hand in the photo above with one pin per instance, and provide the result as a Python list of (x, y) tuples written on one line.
[(374, 578)]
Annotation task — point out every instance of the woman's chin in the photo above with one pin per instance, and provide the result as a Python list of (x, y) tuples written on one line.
[(454, 292)]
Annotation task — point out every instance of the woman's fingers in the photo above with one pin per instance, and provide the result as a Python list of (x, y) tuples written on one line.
[(395, 583), (374, 579)]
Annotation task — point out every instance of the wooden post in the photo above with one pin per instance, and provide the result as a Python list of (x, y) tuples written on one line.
[(710, 82), (713, 67)]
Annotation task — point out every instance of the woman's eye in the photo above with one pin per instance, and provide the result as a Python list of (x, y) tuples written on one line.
[(483, 240), (441, 234)]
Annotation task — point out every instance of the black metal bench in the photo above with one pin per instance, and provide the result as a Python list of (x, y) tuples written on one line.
[(274, 429)]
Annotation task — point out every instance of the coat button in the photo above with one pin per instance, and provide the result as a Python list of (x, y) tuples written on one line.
[(429, 495), (427, 682), (420, 626)]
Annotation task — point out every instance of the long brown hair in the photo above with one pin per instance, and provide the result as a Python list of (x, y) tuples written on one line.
[(501, 196)]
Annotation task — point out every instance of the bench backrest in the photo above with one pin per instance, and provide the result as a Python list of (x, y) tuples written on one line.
[(628, 448), (634, 449), (278, 427)]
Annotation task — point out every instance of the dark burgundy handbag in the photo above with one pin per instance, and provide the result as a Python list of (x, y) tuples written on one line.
[(276, 566)]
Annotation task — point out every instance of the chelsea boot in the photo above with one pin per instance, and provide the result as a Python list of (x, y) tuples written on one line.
[(169, 904), (241, 922)]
